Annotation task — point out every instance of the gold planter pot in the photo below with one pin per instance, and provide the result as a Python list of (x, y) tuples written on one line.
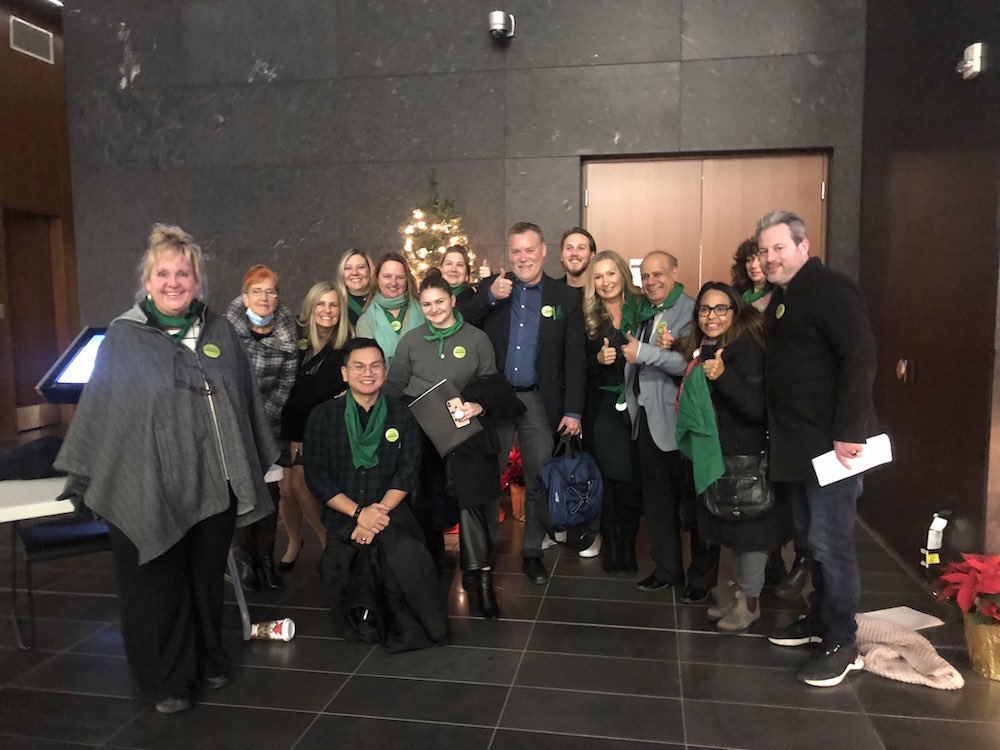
[(517, 501), (984, 648)]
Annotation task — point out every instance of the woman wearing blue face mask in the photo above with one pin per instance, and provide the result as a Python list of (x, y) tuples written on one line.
[(267, 331)]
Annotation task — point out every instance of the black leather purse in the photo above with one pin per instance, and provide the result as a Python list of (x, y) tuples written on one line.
[(742, 492)]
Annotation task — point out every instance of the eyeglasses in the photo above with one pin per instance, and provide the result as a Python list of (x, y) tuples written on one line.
[(262, 292), (375, 368), (720, 311)]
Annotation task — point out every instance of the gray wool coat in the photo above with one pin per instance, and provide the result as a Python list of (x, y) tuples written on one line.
[(144, 440)]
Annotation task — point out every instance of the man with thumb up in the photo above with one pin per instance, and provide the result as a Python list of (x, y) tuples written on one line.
[(652, 375)]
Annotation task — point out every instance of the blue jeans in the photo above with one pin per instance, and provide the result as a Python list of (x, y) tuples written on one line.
[(826, 516)]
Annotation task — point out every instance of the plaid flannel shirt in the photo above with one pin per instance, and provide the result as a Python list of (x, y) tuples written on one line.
[(330, 471)]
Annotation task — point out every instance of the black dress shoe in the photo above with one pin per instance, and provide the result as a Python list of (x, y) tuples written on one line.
[(268, 575), (534, 569), (470, 581), (487, 596), (652, 583), (693, 595)]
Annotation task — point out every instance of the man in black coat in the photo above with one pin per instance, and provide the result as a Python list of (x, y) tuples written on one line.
[(820, 371), (536, 326)]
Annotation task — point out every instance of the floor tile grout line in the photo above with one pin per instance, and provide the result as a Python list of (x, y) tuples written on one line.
[(520, 661), (332, 698)]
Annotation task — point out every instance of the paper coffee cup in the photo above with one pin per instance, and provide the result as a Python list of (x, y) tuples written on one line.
[(273, 630)]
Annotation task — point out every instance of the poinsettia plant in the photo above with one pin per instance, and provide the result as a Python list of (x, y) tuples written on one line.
[(974, 584), (514, 473)]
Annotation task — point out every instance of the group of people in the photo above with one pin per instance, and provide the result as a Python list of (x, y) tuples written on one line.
[(189, 416)]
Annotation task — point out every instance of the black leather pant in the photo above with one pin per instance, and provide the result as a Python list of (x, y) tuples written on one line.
[(475, 543)]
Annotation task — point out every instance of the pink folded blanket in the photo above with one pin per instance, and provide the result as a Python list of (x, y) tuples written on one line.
[(895, 652)]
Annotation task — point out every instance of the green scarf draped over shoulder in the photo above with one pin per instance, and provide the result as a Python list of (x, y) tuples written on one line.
[(364, 442), (697, 430)]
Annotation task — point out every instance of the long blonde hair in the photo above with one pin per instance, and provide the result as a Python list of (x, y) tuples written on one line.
[(307, 319), (593, 310)]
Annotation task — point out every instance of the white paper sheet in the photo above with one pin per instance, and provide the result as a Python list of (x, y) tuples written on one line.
[(877, 451), (274, 474), (907, 617)]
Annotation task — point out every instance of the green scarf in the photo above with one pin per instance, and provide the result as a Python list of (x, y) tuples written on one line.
[(364, 443), (411, 316), (647, 309), (164, 321), (750, 296), (355, 304), (697, 430), (630, 315), (440, 334), (457, 289)]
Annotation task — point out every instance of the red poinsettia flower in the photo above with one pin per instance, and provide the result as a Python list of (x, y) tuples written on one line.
[(974, 576), (988, 608)]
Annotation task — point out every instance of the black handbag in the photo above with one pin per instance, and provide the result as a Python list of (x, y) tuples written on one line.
[(742, 492)]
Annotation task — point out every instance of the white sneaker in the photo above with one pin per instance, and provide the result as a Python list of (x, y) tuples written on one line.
[(594, 549), (551, 540)]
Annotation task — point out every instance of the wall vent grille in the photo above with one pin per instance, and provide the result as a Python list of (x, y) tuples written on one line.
[(31, 40)]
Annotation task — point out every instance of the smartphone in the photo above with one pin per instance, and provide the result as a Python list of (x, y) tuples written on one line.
[(454, 404)]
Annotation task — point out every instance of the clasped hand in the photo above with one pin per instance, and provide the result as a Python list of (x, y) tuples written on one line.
[(373, 519)]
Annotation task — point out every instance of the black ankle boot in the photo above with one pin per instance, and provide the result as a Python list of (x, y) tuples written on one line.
[(487, 596), (774, 571), (792, 584), (611, 551), (248, 574), (268, 574), (627, 562)]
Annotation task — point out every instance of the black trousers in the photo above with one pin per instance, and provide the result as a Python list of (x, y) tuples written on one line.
[(257, 539), (171, 607), (667, 484)]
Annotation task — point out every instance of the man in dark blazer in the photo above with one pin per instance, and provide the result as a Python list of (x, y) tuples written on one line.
[(820, 371), (536, 326)]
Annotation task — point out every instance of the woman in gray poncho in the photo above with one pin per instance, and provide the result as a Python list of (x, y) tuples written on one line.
[(169, 446)]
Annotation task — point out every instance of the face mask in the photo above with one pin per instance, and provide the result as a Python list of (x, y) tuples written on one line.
[(257, 320)]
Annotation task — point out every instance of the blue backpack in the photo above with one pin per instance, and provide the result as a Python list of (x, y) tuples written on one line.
[(572, 486)]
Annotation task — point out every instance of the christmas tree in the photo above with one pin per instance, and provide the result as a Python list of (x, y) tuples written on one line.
[(434, 226)]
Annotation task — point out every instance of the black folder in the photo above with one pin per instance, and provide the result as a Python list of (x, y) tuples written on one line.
[(431, 411)]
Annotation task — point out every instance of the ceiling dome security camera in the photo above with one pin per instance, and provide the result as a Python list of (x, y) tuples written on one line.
[(501, 24)]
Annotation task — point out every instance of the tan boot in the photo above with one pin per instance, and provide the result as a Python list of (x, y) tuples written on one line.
[(739, 618), (722, 605)]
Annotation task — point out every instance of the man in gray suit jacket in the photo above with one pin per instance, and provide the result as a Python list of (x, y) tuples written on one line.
[(652, 375)]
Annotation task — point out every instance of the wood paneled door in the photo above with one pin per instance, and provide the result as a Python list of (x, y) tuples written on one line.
[(700, 209)]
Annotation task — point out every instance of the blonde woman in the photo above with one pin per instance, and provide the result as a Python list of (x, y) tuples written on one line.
[(393, 308), (611, 304), (169, 446), (355, 274), (324, 330)]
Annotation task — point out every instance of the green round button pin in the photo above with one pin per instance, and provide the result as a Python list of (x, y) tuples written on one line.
[(392, 434), (211, 350)]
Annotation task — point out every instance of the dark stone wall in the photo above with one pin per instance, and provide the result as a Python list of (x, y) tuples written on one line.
[(285, 132), (930, 242)]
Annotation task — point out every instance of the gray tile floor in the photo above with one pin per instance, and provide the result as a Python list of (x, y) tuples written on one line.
[(585, 662)]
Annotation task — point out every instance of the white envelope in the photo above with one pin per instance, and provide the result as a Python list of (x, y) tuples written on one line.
[(828, 469)]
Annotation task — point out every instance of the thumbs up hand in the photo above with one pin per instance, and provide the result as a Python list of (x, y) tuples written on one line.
[(501, 286), (607, 353), (715, 367), (631, 349)]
